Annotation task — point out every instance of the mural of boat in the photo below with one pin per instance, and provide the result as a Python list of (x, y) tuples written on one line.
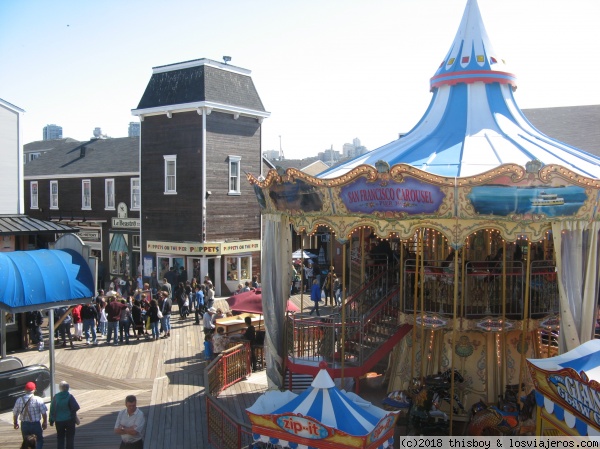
[(547, 199)]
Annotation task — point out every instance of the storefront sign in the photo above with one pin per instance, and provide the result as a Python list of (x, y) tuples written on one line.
[(411, 196), (568, 389), (203, 249), (302, 427), (89, 235), (127, 223)]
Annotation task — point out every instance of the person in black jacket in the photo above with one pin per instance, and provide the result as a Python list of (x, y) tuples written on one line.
[(34, 320), (89, 315), (165, 304)]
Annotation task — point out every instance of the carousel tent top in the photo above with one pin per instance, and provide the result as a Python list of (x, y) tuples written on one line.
[(568, 387), (473, 123), (324, 402)]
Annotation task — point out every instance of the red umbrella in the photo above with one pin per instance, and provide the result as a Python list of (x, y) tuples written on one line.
[(251, 302)]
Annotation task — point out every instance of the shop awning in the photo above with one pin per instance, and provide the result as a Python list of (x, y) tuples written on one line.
[(22, 224), (118, 244), (43, 278)]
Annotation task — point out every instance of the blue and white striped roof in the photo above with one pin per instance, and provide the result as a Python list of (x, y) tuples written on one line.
[(473, 123)]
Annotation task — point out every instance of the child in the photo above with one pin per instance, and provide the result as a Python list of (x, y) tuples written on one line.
[(220, 341), (208, 347), (103, 319)]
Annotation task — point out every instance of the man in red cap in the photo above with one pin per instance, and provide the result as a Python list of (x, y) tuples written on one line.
[(30, 409)]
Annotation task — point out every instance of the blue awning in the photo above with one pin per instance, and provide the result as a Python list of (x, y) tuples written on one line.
[(43, 278)]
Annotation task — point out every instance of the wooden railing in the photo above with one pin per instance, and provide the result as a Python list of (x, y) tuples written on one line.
[(225, 431)]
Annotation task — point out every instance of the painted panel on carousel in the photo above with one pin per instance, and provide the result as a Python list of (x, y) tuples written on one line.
[(504, 200), (297, 195), (410, 196)]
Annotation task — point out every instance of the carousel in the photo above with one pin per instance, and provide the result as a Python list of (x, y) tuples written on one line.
[(490, 237)]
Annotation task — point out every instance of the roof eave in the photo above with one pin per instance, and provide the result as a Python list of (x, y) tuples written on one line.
[(199, 107)]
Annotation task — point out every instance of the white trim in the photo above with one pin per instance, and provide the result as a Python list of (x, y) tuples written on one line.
[(53, 182), (114, 194), (188, 107), (238, 160), (37, 195), (198, 63), (83, 183), (170, 158), (81, 175), (139, 182)]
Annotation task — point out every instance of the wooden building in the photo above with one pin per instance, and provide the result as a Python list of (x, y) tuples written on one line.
[(95, 187), (200, 133)]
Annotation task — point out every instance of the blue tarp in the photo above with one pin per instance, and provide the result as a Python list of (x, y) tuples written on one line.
[(41, 278)]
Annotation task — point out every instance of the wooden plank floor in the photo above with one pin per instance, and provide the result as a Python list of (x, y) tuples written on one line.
[(165, 375)]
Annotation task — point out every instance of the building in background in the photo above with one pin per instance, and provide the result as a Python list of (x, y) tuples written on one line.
[(134, 129), (350, 150), (201, 131), (52, 132), (93, 186)]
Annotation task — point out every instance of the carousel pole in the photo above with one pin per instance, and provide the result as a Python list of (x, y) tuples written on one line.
[(343, 336), (415, 296), (362, 256), (331, 271), (454, 331), (525, 329), (302, 271), (503, 335), (422, 298), (400, 277)]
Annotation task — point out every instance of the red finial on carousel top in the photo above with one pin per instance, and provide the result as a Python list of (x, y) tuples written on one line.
[(323, 365)]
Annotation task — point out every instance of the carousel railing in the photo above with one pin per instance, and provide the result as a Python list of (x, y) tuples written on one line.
[(225, 431), (483, 285), (312, 339)]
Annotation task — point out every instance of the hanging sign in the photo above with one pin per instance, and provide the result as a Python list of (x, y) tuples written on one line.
[(410, 196)]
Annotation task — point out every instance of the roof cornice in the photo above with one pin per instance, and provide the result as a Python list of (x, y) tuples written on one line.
[(198, 63), (199, 106), (80, 175)]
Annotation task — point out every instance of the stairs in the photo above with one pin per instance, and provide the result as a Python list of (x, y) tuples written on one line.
[(371, 332)]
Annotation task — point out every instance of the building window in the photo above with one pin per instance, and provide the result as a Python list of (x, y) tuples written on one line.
[(109, 194), (234, 175), (32, 156), (136, 195), (171, 174), (33, 190), (53, 194), (86, 194), (239, 268)]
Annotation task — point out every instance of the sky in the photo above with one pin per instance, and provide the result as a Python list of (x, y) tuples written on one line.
[(328, 71)]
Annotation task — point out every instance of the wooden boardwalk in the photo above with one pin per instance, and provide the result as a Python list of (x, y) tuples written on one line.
[(167, 376)]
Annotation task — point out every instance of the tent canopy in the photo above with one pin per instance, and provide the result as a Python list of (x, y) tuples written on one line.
[(40, 279)]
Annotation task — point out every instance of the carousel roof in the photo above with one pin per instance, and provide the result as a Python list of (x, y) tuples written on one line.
[(327, 404), (473, 123)]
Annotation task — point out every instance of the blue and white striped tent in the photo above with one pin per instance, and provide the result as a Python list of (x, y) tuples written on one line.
[(473, 123), (329, 406)]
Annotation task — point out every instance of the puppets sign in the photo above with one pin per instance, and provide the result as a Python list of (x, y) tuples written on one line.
[(303, 427)]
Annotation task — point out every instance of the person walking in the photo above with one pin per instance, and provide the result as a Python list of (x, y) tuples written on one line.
[(315, 296), (89, 315), (34, 320), (29, 409), (130, 425), (165, 306), (63, 413)]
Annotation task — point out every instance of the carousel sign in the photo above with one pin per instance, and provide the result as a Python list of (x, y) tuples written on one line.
[(302, 427), (410, 196)]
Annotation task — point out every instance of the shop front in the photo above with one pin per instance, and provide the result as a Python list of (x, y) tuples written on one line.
[(124, 247), (227, 263)]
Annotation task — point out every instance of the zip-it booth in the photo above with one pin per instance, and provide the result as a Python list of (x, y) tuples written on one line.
[(568, 392)]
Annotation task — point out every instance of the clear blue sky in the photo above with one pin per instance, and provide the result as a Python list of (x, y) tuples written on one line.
[(327, 70)]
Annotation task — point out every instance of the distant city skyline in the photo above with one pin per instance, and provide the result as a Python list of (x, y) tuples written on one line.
[(325, 70)]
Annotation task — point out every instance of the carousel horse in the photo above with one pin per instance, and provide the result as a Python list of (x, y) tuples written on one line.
[(506, 418), (426, 396)]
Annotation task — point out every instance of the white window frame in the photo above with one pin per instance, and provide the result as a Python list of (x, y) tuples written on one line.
[(34, 195), (86, 203), (170, 179), (234, 175), (53, 196), (107, 196), (136, 194)]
